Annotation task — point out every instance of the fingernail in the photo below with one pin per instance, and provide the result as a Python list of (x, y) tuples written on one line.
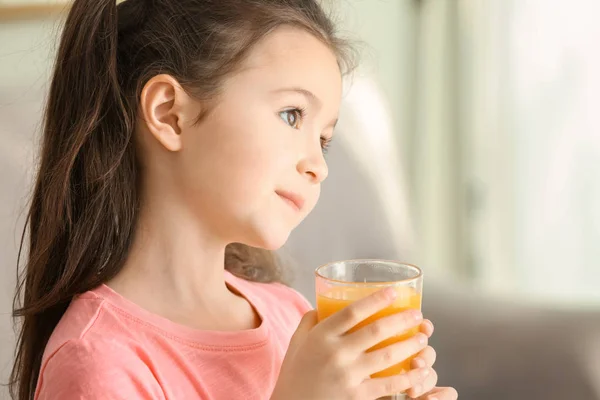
[(420, 363), (426, 372), (390, 293), (417, 315), (421, 338)]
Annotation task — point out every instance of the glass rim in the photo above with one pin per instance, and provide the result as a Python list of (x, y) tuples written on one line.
[(367, 260)]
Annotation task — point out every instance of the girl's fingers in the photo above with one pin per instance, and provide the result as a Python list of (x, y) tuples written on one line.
[(381, 387), (346, 319), (423, 387), (440, 393), (426, 358), (382, 329), (378, 360), (427, 327)]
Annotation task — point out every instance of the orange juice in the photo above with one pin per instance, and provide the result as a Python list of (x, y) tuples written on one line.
[(336, 299)]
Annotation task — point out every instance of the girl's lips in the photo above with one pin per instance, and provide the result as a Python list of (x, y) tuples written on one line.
[(291, 198)]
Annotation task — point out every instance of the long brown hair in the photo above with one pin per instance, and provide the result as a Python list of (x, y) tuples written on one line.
[(85, 202)]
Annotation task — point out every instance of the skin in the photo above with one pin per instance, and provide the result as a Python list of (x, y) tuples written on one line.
[(249, 172)]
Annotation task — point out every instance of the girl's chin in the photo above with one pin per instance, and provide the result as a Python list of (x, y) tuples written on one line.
[(273, 240)]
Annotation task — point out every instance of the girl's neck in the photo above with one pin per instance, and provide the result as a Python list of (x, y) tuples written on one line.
[(176, 269)]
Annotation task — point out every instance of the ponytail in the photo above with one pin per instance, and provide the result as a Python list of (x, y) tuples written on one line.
[(84, 203)]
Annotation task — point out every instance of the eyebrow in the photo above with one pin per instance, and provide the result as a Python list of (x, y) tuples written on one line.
[(311, 97)]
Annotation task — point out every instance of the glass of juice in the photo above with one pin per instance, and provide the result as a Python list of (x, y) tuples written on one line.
[(340, 283)]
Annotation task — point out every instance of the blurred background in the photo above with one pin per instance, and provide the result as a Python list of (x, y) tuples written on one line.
[(474, 124)]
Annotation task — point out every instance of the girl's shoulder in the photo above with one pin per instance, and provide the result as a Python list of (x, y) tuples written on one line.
[(82, 314), (85, 358), (90, 324), (273, 295), (281, 306)]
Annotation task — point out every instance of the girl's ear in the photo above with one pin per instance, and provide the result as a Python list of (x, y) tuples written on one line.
[(162, 108)]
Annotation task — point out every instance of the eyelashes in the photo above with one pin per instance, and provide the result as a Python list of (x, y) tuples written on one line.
[(294, 117), (325, 144)]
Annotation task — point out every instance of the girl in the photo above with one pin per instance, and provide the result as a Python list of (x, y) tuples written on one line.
[(183, 141)]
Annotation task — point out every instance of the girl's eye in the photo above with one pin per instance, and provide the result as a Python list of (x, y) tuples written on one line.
[(293, 117)]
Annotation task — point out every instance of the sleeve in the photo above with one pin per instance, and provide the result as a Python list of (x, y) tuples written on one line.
[(77, 371)]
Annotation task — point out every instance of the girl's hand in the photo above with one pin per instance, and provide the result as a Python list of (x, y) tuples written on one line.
[(325, 362), (426, 358)]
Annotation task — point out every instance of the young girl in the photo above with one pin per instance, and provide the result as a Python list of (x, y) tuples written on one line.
[(183, 141)]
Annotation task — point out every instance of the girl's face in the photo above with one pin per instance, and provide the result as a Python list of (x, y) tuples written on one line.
[(252, 169)]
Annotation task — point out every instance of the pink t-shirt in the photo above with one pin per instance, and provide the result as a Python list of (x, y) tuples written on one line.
[(106, 347)]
